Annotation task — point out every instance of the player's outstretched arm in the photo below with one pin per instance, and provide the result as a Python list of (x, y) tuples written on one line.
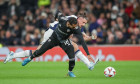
[(89, 38), (81, 40)]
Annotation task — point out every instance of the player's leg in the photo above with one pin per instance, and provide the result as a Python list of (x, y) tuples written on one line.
[(50, 43), (82, 57), (21, 54), (68, 48), (46, 36), (27, 53)]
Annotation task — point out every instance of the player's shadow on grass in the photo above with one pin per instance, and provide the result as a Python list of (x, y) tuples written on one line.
[(46, 77), (33, 77)]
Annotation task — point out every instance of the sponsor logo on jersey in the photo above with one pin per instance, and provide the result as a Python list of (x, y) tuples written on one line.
[(76, 27)]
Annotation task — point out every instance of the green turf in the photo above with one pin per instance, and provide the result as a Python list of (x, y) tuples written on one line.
[(55, 73)]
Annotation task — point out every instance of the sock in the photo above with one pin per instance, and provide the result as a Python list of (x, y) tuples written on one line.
[(71, 64), (34, 55), (82, 57), (21, 54)]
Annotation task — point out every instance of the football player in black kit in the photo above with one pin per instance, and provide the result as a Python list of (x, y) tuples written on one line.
[(65, 28)]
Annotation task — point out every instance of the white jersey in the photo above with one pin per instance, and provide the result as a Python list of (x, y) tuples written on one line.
[(53, 24), (71, 16)]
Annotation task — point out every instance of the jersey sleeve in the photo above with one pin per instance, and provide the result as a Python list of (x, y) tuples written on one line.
[(53, 25), (82, 29), (81, 40)]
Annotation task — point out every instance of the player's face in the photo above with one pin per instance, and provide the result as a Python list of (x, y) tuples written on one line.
[(81, 21)]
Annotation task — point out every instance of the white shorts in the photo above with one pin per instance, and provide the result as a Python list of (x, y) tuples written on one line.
[(46, 36)]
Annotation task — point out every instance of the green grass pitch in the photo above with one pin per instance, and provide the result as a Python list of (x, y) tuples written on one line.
[(127, 72)]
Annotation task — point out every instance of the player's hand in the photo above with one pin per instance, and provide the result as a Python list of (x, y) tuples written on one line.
[(94, 36), (90, 58), (58, 12)]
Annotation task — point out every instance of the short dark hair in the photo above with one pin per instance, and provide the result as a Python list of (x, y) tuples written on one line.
[(82, 14), (72, 20)]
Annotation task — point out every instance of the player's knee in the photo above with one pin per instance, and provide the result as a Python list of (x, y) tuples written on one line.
[(33, 51), (75, 47)]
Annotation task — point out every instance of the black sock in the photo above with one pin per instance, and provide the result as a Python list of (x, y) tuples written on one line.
[(71, 65), (31, 55)]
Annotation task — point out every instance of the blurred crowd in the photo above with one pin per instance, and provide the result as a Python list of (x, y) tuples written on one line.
[(23, 22)]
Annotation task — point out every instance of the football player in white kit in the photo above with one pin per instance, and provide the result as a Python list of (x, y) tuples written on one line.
[(88, 61)]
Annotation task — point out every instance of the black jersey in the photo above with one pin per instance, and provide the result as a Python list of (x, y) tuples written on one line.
[(63, 32)]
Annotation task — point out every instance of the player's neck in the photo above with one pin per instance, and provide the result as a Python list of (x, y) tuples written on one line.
[(68, 25)]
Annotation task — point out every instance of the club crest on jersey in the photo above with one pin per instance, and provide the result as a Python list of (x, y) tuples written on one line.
[(76, 27), (68, 30)]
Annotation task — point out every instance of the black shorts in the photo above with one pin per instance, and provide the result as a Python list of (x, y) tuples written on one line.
[(52, 42)]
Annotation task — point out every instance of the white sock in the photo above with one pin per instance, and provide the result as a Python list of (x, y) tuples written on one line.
[(83, 58), (21, 54)]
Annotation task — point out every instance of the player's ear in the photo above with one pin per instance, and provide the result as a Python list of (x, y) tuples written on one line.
[(56, 19)]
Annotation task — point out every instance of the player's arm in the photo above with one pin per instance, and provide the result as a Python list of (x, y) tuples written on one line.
[(59, 16), (81, 40), (89, 38), (86, 37)]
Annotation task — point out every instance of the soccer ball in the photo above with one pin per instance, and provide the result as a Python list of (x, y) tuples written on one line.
[(109, 72)]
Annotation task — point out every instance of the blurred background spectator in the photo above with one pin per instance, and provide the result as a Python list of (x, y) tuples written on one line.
[(23, 22)]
